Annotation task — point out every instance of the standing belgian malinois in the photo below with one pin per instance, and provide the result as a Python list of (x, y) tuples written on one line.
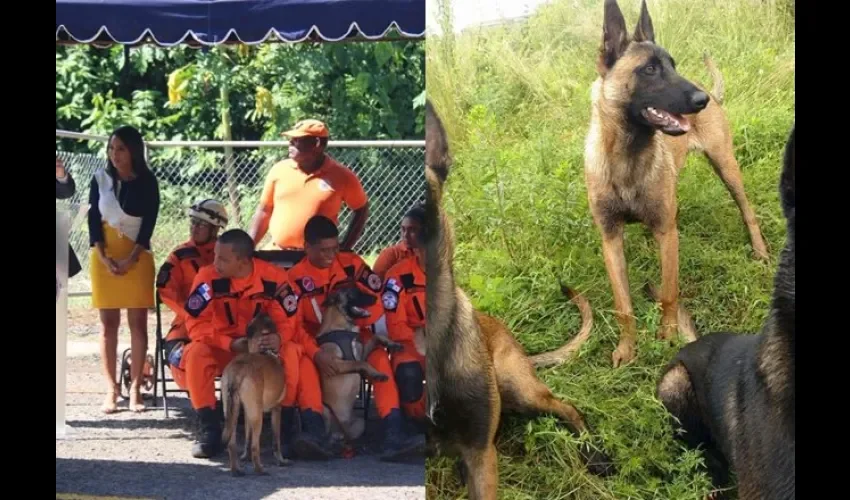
[(254, 381), (475, 368), (645, 118), (734, 395)]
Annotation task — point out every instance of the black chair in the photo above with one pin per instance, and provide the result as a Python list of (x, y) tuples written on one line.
[(283, 258)]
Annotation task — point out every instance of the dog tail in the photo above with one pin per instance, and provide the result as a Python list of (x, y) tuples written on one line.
[(231, 403), (716, 76), (568, 350), (686, 323)]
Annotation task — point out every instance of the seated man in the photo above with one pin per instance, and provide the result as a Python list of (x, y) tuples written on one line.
[(224, 299), (326, 268), (404, 302), (175, 277), (411, 225)]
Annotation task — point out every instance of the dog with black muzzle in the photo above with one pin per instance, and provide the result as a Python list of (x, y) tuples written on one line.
[(645, 118), (340, 336)]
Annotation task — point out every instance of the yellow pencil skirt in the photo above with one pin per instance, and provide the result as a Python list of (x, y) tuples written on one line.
[(134, 290)]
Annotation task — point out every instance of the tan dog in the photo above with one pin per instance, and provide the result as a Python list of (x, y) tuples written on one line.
[(255, 382), (340, 336), (476, 369), (645, 118)]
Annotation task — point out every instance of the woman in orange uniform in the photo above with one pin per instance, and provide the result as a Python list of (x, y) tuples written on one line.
[(404, 305)]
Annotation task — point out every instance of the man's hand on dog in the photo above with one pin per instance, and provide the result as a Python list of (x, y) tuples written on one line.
[(270, 342), (239, 345), (326, 363)]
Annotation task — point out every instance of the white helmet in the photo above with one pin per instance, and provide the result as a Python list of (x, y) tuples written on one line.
[(209, 211)]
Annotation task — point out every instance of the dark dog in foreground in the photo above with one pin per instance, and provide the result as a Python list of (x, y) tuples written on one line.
[(476, 369), (254, 381), (340, 336), (734, 395), (645, 119)]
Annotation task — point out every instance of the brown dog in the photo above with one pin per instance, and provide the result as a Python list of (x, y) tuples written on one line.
[(340, 336), (254, 381), (645, 119), (476, 369)]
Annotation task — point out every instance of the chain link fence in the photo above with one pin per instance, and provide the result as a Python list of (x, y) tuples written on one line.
[(392, 174)]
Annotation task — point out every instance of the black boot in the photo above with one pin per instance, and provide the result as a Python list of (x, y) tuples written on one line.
[(209, 434), (310, 444), (288, 431), (398, 444)]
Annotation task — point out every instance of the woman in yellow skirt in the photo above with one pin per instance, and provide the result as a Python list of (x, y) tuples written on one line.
[(123, 208)]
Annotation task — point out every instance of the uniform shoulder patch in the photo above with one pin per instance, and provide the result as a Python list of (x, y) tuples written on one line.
[(198, 300), (164, 274), (288, 298), (187, 253), (390, 300), (392, 285), (306, 284)]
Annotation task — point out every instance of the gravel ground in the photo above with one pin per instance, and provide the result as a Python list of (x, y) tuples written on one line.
[(148, 456)]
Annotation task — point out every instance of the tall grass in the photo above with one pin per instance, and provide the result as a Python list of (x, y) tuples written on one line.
[(516, 105)]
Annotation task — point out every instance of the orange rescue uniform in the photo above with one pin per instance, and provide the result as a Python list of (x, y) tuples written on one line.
[(389, 257), (293, 197), (174, 281), (403, 299), (218, 312), (313, 286)]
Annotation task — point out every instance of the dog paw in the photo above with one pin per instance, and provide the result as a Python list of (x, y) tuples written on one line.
[(259, 471), (237, 473), (284, 462), (667, 333), (623, 354)]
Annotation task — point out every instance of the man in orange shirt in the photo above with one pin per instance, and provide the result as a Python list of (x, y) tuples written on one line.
[(404, 302), (308, 183), (225, 297), (411, 225), (175, 277), (323, 270)]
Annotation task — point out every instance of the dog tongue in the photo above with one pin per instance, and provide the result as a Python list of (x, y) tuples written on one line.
[(683, 122)]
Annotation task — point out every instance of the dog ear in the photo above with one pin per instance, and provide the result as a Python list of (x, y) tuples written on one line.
[(787, 183), (615, 37), (644, 31), (436, 144)]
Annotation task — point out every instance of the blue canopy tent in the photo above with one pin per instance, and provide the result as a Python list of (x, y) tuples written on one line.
[(212, 22)]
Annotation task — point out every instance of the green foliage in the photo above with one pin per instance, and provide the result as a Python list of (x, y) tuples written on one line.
[(515, 101), (363, 90)]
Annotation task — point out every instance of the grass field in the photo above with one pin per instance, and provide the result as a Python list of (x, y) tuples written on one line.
[(516, 104)]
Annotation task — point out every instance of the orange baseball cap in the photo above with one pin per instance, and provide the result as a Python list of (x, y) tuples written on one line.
[(307, 128)]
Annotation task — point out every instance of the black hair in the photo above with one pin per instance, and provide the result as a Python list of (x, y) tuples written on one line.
[(240, 241), (135, 144), (417, 213), (318, 228)]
